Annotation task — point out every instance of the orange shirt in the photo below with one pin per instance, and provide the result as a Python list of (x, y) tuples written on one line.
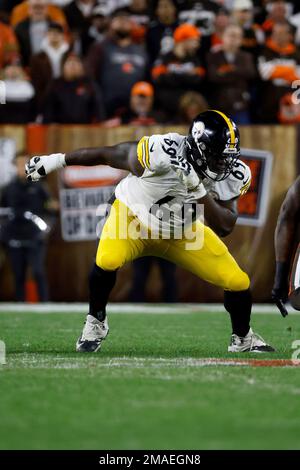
[(20, 13), (9, 49), (286, 71)]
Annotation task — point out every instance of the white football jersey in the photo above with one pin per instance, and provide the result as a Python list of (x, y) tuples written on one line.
[(162, 187)]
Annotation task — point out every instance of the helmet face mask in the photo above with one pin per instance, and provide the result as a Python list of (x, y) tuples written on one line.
[(219, 166), (213, 145)]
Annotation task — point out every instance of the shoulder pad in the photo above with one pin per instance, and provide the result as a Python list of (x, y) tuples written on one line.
[(154, 152), (237, 183)]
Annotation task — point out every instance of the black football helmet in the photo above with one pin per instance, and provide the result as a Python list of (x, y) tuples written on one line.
[(213, 145)]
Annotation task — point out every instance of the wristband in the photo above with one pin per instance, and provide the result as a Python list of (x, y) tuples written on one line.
[(281, 274)]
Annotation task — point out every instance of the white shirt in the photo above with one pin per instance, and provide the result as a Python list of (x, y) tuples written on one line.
[(18, 90), (37, 32), (55, 55)]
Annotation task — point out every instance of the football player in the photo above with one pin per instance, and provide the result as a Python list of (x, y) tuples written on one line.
[(166, 173), (287, 276)]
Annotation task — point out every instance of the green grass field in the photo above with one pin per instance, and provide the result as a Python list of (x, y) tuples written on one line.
[(147, 388)]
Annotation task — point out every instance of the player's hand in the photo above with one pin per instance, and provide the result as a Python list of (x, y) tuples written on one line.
[(180, 163), (279, 297), (280, 287), (186, 172), (38, 167)]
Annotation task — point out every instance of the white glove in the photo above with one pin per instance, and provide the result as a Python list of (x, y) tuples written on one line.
[(38, 167)]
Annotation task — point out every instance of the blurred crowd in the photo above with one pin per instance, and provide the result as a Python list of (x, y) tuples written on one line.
[(149, 61), (138, 62)]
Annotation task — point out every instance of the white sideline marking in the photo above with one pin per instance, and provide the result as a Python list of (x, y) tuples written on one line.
[(39, 361), (52, 362), (177, 308)]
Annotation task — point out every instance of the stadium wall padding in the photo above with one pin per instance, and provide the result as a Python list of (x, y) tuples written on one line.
[(68, 264)]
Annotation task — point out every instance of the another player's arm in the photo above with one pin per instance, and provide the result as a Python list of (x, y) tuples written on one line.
[(284, 243), (286, 224), (221, 216)]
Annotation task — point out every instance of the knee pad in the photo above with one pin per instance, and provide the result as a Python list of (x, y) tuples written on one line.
[(238, 281), (109, 261)]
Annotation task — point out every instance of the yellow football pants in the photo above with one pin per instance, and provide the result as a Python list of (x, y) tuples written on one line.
[(212, 262)]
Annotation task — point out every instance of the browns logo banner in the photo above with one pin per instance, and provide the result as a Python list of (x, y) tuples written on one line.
[(84, 193), (253, 205)]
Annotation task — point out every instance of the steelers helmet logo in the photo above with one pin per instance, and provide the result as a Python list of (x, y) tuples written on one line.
[(198, 130)]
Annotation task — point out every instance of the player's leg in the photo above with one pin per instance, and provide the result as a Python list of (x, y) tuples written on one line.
[(36, 255), (294, 290), (116, 247), (141, 270), (17, 257), (169, 288), (213, 263)]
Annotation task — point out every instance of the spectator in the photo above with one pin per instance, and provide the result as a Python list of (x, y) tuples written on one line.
[(46, 65), (117, 63), (221, 22), (279, 66), (32, 31), (73, 98), (22, 12), (278, 13), (159, 37), (98, 28), (54, 46), (200, 13), (140, 112), (253, 37), (24, 235), (79, 15), (179, 71), (9, 49), (230, 71), (190, 105), (19, 106), (139, 14)]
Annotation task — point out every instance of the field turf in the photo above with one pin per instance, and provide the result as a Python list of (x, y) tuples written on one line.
[(148, 387)]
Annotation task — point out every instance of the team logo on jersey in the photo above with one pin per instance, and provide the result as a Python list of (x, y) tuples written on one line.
[(198, 130)]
